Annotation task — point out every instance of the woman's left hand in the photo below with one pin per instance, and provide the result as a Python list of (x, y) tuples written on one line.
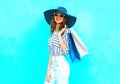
[(62, 43), (61, 31)]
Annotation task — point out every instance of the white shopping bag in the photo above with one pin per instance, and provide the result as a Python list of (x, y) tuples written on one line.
[(79, 43)]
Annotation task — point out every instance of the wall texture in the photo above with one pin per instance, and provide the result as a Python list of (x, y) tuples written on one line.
[(24, 35)]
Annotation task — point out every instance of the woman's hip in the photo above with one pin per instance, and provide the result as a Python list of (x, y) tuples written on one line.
[(59, 63)]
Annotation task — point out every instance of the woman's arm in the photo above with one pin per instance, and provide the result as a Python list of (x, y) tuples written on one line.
[(62, 43), (49, 63), (48, 76)]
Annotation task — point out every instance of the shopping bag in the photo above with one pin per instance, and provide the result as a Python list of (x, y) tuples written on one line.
[(81, 48), (74, 54)]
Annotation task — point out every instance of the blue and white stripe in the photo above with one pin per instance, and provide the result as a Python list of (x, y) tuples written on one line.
[(54, 44)]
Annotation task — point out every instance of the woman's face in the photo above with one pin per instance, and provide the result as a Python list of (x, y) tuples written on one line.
[(58, 17)]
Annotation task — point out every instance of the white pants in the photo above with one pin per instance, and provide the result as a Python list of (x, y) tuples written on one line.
[(60, 70)]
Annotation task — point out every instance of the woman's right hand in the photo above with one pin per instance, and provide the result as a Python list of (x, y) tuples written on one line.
[(48, 77)]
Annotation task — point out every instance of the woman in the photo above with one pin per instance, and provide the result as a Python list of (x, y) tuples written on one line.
[(58, 67)]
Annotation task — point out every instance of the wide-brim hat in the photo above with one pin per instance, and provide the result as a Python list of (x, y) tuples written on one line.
[(70, 19)]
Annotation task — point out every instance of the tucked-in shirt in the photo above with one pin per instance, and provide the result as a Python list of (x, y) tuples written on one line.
[(54, 44)]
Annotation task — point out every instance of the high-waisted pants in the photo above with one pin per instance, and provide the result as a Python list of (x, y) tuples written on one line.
[(60, 70)]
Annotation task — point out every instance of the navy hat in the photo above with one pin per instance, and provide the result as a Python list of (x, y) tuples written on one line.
[(70, 19)]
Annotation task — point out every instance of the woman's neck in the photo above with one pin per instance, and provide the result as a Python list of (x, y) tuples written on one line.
[(57, 27)]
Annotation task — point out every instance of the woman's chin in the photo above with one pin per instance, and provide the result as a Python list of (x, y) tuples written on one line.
[(58, 22)]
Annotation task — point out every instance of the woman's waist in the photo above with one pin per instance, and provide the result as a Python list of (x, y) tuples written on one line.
[(58, 58)]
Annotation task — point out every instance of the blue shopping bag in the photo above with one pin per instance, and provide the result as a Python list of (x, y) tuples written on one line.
[(74, 54)]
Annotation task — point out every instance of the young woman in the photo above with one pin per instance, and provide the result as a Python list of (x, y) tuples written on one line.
[(58, 67)]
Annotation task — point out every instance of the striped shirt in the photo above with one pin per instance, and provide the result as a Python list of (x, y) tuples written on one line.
[(54, 44)]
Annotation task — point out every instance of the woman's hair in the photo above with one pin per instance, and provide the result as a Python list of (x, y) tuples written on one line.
[(53, 24)]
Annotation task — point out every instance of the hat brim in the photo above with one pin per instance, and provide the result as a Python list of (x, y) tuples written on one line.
[(70, 19)]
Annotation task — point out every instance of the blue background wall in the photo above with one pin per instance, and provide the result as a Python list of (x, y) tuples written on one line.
[(24, 35)]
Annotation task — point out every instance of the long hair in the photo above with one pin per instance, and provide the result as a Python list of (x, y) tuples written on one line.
[(53, 24)]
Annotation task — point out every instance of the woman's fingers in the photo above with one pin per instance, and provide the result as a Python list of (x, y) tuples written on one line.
[(62, 31), (48, 78)]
